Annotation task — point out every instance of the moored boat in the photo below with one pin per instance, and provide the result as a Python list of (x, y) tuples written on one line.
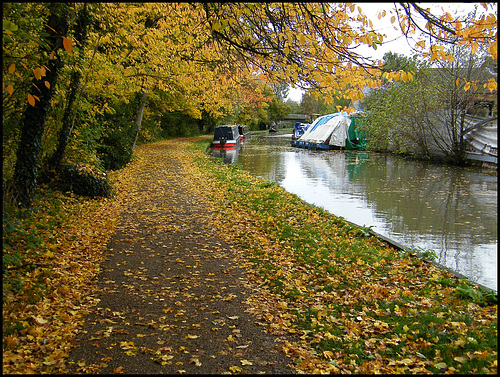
[(244, 132), (226, 136), (332, 131)]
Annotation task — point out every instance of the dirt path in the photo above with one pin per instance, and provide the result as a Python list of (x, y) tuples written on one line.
[(171, 294)]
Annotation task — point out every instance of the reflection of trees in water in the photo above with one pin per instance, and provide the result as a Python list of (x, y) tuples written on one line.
[(447, 209), (430, 199)]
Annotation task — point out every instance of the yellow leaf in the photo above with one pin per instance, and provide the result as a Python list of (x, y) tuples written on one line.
[(10, 89), (230, 338), (328, 354), (191, 336), (440, 366), (467, 86), (458, 81), (47, 84), (492, 49), (12, 68), (405, 328), (67, 45), (492, 85), (39, 321), (38, 73), (460, 359), (405, 361), (246, 362)]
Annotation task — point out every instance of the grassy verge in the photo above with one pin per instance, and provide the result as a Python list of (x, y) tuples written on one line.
[(355, 304), (51, 255)]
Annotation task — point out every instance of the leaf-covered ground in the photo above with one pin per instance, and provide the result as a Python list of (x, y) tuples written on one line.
[(197, 267)]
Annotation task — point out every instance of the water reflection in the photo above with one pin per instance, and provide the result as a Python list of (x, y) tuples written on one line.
[(446, 209)]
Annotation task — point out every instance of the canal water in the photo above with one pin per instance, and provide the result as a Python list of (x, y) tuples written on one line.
[(450, 211)]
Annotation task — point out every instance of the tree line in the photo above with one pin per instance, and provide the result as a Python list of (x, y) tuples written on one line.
[(84, 82)]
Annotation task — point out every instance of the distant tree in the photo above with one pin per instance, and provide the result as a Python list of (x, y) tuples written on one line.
[(294, 106), (278, 110)]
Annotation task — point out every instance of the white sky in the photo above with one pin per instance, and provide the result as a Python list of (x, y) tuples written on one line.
[(394, 41)]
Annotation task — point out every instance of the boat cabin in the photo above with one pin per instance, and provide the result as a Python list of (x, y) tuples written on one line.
[(244, 131)]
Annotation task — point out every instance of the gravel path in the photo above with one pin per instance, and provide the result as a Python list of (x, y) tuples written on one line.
[(172, 296)]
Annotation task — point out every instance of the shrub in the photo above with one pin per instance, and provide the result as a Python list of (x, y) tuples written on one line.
[(81, 179)]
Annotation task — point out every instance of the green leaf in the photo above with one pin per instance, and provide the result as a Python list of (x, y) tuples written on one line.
[(9, 26)]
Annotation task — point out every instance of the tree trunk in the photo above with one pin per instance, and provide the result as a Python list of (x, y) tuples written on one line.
[(138, 120), (33, 123), (68, 121)]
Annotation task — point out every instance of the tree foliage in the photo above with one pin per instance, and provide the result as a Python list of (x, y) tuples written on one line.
[(194, 58), (429, 114)]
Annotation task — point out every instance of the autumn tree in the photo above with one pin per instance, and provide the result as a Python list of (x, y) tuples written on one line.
[(192, 58), (458, 85), (428, 114), (33, 122)]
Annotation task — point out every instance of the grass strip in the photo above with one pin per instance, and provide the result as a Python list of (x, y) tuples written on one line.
[(356, 304)]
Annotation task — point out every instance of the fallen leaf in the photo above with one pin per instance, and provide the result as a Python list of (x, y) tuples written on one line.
[(441, 366)]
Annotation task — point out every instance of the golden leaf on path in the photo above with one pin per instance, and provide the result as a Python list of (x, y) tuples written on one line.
[(127, 345), (118, 370), (246, 362), (39, 321), (191, 336), (235, 369), (195, 361), (230, 338)]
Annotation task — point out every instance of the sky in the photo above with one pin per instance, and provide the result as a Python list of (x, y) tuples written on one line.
[(395, 42)]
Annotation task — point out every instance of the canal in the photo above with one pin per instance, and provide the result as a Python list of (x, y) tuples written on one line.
[(445, 210)]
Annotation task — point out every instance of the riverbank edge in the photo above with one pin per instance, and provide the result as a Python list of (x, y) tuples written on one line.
[(485, 168), (242, 179)]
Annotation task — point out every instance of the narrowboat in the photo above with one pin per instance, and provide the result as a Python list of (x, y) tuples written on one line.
[(227, 136), (244, 132)]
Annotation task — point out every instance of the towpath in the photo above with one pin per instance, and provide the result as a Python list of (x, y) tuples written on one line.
[(171, 294)]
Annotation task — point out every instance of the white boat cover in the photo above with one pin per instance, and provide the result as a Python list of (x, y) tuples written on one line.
[(484, 139), (332, 128)]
